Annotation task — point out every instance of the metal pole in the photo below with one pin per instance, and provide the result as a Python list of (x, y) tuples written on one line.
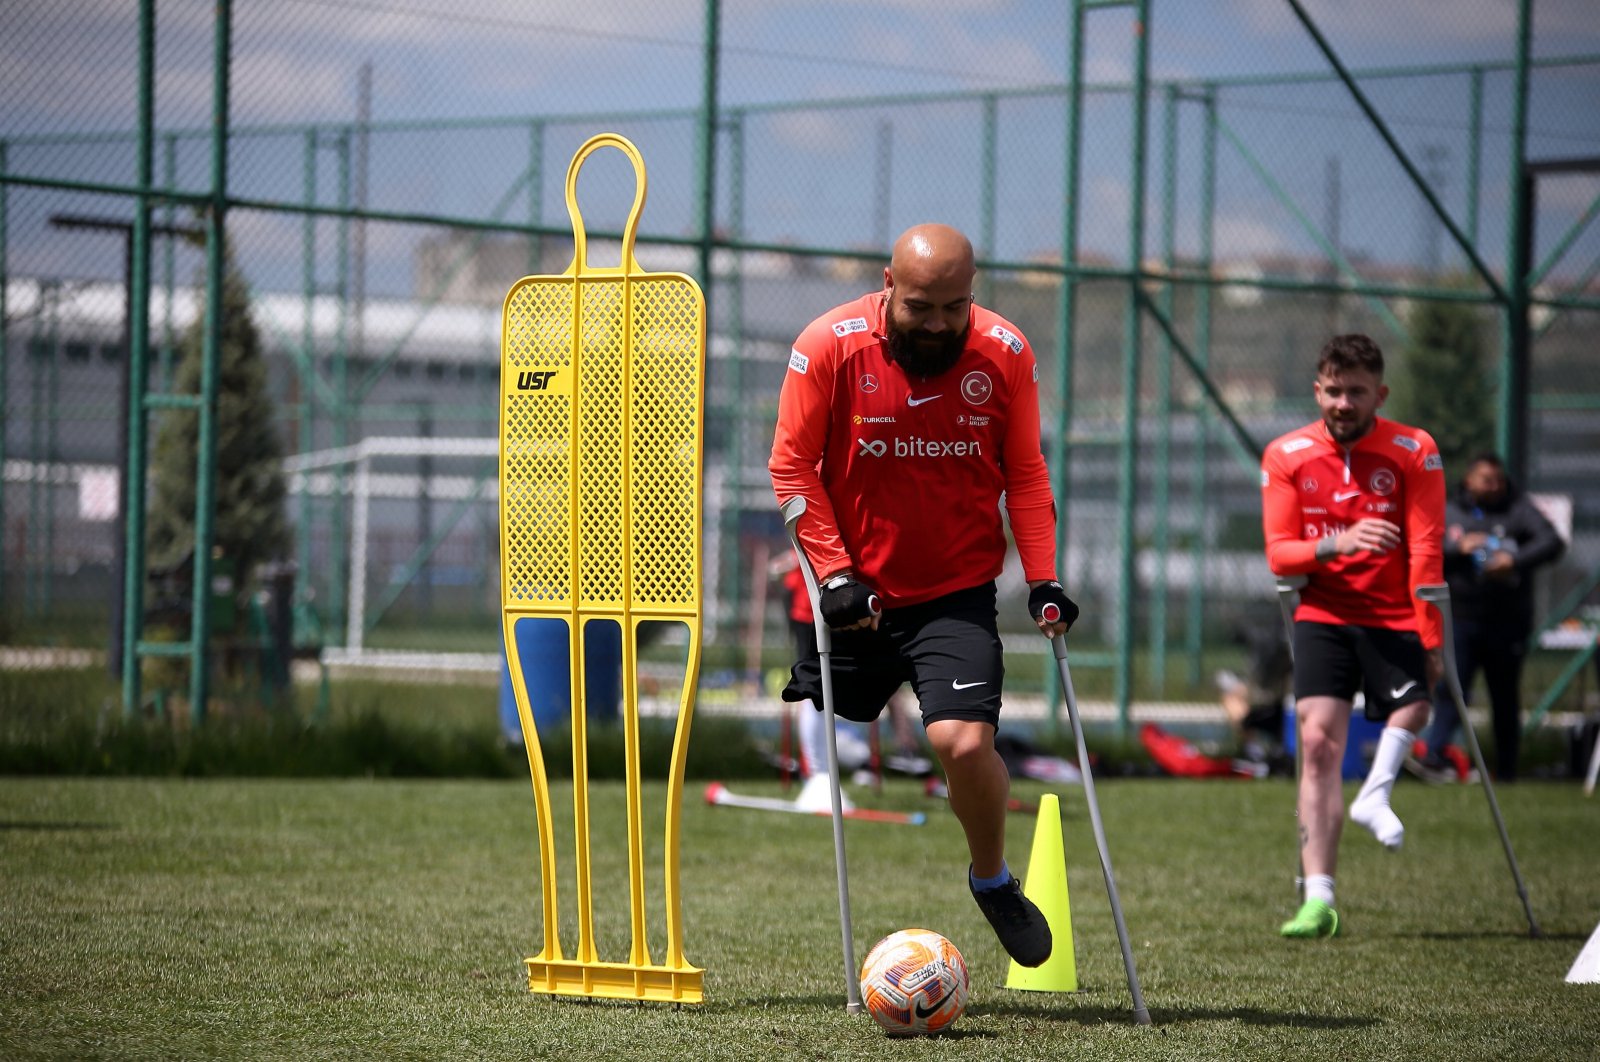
[(5, 283), (1162, 537), (1289, 587), (1513, 427), (308, 364), (169, 217), (986, 191), (216, 276), (535, 194), (882, 190), (358, 227), (356, 607), (706, 153), (1474, 150), (1066, 320), (424, 518), (1333, 207), (706, 227), (733, 403), (1132, 361), (1140, 1013), (119, 536), (42, 346), (1438, 594), (1200, 549), (792, 509), (339, 545), (52, 438)]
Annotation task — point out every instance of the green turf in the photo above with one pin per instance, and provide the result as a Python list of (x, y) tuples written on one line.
[(387, 919)]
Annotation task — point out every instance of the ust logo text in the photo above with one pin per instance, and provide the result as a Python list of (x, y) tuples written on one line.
[(535, 380)]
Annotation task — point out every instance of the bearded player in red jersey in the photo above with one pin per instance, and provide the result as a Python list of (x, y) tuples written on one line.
[(904, 417), (1355, 503)]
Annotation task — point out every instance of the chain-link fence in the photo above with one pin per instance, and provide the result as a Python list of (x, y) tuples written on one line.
[(1275, 172)]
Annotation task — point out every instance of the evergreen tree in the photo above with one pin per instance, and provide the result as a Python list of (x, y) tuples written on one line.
[(1443, 384), (250, 525)]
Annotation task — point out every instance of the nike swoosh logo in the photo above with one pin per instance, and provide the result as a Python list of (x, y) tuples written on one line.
[(1399, 691), (918, 401), (967, 685), (930, 1010), (1344, 495)]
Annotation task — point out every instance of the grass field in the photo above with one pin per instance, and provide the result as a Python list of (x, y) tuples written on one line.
[(350, 918)]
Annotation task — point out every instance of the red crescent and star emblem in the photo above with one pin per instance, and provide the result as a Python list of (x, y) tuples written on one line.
[(976, 387)]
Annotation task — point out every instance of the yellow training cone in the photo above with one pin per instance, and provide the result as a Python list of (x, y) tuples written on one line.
[(1046, 885)]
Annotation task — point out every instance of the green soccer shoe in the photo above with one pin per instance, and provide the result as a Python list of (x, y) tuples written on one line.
[(1314, 920)]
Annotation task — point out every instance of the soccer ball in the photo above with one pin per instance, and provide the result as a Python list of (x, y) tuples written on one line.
[(914, 982)]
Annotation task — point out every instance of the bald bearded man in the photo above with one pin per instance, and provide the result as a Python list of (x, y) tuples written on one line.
[(904, 417)]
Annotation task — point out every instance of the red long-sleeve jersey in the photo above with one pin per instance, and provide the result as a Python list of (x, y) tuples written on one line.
[(1312, 486), (902, 476)]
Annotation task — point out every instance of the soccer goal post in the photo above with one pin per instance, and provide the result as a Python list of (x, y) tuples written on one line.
[(390, 467)]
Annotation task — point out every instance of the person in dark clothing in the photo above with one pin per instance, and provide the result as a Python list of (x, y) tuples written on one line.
[(1255, 702), (1494, 539)]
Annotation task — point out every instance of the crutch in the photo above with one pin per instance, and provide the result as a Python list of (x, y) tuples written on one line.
[(1594, 769), (791, 510), (1438, 595), (1059, 644), (1289, 587)]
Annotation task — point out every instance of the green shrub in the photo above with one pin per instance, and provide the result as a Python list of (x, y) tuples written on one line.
[(70, 722)]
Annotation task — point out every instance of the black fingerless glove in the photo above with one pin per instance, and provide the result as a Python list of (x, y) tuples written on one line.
[(1049, 602), (846, 602)]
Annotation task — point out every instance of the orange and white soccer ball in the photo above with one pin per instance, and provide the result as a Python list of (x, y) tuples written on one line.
[(914, 982)]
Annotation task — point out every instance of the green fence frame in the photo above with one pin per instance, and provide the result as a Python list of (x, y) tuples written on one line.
[(341, 397)]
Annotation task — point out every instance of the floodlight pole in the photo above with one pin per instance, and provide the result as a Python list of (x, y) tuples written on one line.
[(1513, 427)]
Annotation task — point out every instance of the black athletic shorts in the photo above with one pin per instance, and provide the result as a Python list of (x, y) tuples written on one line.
[(947, 648), (1335, 660)]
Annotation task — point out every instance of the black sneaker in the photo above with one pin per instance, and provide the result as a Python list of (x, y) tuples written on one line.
[(1020, 925), (1431, 769)]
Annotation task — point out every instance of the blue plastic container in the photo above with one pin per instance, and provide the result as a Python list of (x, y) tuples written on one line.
[(1358, 749), (546, 662)]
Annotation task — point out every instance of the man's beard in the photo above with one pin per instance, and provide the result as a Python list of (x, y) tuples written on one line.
[(923, 353), (1348, 431)]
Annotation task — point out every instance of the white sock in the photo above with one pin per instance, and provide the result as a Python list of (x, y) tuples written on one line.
[(1320, 887), (813, 728), (1371, 808)]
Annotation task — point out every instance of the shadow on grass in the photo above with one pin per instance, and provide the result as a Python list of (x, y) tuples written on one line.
[(1104, 1015), (46, 827), (1067, 1012), (1503, 934), (1256, 1016)]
